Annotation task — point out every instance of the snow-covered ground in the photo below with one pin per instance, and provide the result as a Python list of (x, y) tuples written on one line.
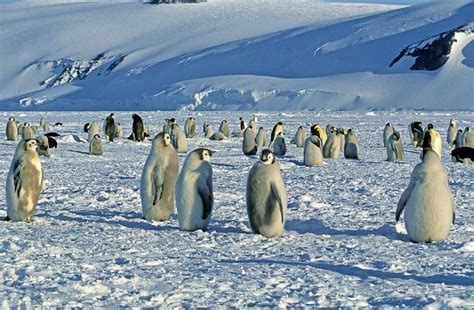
[(88, 245)]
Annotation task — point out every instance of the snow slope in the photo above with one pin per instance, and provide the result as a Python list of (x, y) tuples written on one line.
[(230, 55), (88, 246)]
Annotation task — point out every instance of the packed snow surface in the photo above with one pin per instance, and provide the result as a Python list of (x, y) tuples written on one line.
[(89, 246)]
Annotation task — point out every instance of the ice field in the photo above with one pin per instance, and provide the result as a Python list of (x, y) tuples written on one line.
[(88, 245)]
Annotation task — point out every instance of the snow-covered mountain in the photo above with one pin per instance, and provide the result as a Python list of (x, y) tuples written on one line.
[(237, 55)]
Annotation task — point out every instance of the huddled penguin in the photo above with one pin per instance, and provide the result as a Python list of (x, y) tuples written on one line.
[(12, 129), (275, 131), (249, 146), (179, 139), (427, 201), (158, 181), (95, 146), (217, 136), (332, 147), (208, 132), (432, 140), (313, 154), (300, 137), (395, 147), (416, 134), (224, 128), (110, 127), (24, 182), (320, 132), (138, 128), (467, 138), (43, 146), (118, 131), (279, 145), (452, 130), (27, 132), (261, 138), (387, 132), (93, 130), (266, 197), (190, 127), (351, 145), (194, 192)]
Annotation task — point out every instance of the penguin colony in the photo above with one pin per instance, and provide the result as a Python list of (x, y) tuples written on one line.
[(427, 202)]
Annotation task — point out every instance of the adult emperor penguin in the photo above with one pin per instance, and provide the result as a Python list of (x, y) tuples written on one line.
[(261, 137), (94, 129), (242, 124), (300, 137), (204, 127), (427, 201), (266, 197), (110, 127), (95, 146), (168, 123), (42, 122), (253, 121), (452, 130), (387, 132), (11, 130), (317, 130), (458, 142), (395, 147), (249, 146), (190, 127), (118, 131), (432, 140), (416, 134), (46, 127), (351, 145), (275, 131), (279, 145), (27, 132), (224, 128), (194, 193), (467, 138), (158, 181), (463, 155), (138, 128), (24, 182), (313, 154), (179, 139)]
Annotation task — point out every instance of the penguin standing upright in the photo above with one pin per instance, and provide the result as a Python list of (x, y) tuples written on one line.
[(416, 134), (395, 147), (242, 124), (261, 137), (458, 141), (42, 146), (224, 128), (317, 130), (266, 197), (179, 139), (253, 122), (190, 127), (452, 130), (279, 145), (24, 182), (427, 201), (118, 131), (158, 181), (42, 122), (95, 146), (138, 128), (249, 146), (208, 132), (467, 138), (351, 145), (168, 123), (194, 192), (93, 130), (313, 154), (11, 130), (110, 127), (300, 137), (275, 131), (27, 132), (332, 148), (387, 132), (432, 140)]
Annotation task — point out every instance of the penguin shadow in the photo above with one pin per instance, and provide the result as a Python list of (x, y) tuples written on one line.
[(317, 227), (296, 162), (80, 152), (225, 165)]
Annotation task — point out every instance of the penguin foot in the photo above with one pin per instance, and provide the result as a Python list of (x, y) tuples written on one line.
[(6, 219)]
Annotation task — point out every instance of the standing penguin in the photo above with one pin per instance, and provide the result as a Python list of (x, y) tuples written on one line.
[(261, 137), (416, 134), (317, 130), (253, 121), (395, 147), (94, 129), (387, 132), (168, 123), (194, 194), (224, 128), (179, 139), (138, 128), (332, 148), (458, 142), (95, 146), (42, 122), (27, 132), (279, 145), (351, 145), (432, 140), (242, 124), (208, 132), (467, 138), (11, 130), (275, 131), (300, 137), (204, 126), (118, 131), (452, 130), (249, 146), (110, 128), (313, 154), (42, 146), (24, 182), (158, 181), (190, 127), (428, 203), (266, 197)]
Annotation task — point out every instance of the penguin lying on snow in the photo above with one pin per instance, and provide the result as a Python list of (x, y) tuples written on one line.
[(463, 155)]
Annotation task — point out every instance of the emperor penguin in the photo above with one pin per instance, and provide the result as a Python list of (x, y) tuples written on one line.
[(42, 146), (110, 127), (204, 126), (158, 181), (387, 132), (24, 182), (330, 128), (217, 136), (94, 129), (351, 145), (300, 137), (11, 130), (118, 131), (332, 147), (342, 136), (467, 138), (432, 140), (275, 131), (395, 147), (190, 127), (179, 139), (279, 145), (313, 154), (320, 132), (27, 132), (168, 123), (42, 122), (458, 142), (208, 132), (427, 201), (266, 197), (416, 133), (95, 146), (46, 127), (249, 146), (452, 130), (253, 121), (194, 192), (463, 155), (224, 128), (242, 124), (138, 128), (261, 138)]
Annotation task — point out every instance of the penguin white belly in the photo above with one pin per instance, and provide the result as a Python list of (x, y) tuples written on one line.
[(189, 204)]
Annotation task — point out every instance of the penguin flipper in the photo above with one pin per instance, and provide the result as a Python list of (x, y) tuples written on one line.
[(157, 182), (403, 200), (278, 198), (205, 192), (18, 167)]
